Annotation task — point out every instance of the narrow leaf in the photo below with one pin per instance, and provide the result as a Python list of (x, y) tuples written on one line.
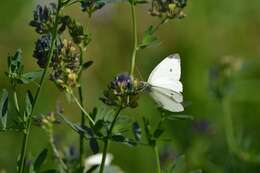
[(147, 128), (149, 39), (179, 117), (4, 108), (29, 102), (87, 64), (31, 76), (118, 138), (158, 133), (39, 160)]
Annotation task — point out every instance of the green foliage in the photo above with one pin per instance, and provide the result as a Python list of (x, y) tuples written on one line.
[(86, 65), (205, 145), (4, 108), (149, 39), (15, 72), (40, 160), (78, 33), (29, 103)]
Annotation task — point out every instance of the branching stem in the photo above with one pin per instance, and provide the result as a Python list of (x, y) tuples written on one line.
[(106, 140), (36, 98)]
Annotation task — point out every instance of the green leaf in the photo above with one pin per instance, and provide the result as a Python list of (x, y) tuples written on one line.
[(86, 65), (98, 126), (29, 102), (137, 131), (149, 39), (94, 112), (147, 129), (157, 133), (73, 126), (31, 76), (4, 108), (118, 138), (39, 160), (179, 117)]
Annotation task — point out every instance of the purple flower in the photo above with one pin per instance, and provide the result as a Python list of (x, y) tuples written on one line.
[(42, 49), (43, 18), (123, 91)]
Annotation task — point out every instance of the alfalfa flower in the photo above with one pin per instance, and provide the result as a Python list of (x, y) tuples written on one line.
[(90, 6), (43, 18), (168, 8), (123, 91), (42, 49), (77, 32), (66, 67)]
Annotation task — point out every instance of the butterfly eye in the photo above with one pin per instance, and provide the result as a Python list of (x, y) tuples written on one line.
[(170, 69)]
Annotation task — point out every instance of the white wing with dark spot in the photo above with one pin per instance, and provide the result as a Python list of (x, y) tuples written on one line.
[(165, 84), (169, 68)]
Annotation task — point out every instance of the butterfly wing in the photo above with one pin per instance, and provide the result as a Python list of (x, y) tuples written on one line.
[(169, 83), (165, 85), (168, 70), (167, 99)]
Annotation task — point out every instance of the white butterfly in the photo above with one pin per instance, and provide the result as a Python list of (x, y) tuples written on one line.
[(96, 160), (165, 86)]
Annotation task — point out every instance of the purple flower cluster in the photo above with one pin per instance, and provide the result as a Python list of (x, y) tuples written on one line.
[(43, 18), (168, 8), (42, 49), (91, 5), (123, 91)]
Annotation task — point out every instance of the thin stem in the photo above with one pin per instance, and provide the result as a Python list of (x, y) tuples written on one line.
[(62, 165), (135, 39), (164, 20), (229, 129), (35, 101), (157, 156), (106, 140), (82, 109), (81, 100)]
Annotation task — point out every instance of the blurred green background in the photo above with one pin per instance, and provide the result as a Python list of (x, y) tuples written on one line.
[(211, 30)]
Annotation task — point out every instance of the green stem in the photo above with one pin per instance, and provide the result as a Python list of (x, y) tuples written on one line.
[(82, 109), (229, 129), (233, 146), (29, 121), (164, 20), (16, 103), (135, 39), (63, 166), (81, 100), (157, 156), (106, 141)]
